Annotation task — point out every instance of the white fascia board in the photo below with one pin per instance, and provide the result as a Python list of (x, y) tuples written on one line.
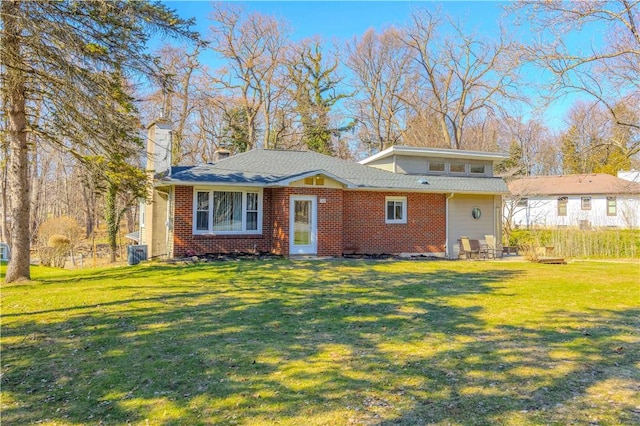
[(431, 191), (436, 152), (157, 184)]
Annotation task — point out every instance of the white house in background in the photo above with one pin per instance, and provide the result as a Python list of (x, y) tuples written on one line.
[(583, 201)]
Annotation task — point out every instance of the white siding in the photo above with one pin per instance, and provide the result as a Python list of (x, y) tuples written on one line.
[(542, 212), (386, 163), (462, 224)]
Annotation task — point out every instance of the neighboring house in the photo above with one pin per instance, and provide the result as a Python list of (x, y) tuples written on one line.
[(584, 201), (305, 203), (5, 251)]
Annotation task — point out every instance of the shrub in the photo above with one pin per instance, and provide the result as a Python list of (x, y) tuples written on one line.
[(571, 242), (57, 238)]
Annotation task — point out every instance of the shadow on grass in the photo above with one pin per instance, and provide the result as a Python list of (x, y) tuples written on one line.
[(333, 343)]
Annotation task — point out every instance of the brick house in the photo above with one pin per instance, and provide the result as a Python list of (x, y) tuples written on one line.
[(400, 201)]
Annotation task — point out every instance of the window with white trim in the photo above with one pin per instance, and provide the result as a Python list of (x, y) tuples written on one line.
[(436, 166), (476, 169), (586, 203), (458, 168), (227, 212), (612, 209), (396, 210), (562, 206)]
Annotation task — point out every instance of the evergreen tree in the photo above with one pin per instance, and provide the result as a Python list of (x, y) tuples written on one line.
[(315, 85), (64, 55)]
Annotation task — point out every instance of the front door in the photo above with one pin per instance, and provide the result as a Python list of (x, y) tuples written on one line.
[(303, 225)]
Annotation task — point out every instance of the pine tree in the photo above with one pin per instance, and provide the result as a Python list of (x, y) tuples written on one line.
[(64, 54)]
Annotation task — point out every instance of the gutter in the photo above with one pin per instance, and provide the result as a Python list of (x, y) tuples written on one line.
[(446, 224)]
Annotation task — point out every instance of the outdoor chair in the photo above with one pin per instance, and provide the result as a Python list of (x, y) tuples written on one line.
[(467, 250), (494, 249)]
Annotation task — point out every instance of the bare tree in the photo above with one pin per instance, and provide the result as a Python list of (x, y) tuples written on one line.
[(379, 63), (607, 72), (179, 67), (253, 45), (539, 152), (460, 74), (586, 144)]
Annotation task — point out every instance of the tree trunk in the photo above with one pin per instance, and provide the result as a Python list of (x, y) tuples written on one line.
[(17, 177), (89, 210), (112, 219)]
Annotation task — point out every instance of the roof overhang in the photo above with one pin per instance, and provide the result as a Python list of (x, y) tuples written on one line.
[(413, 151), (178, 182), (431, 191)]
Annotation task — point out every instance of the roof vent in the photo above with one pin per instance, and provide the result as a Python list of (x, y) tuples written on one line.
[(424, 181)]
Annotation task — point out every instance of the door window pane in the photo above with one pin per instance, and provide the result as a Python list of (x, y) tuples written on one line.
[(302, 222)]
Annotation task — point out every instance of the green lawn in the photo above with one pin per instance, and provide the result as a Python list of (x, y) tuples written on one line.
[(324, 342)]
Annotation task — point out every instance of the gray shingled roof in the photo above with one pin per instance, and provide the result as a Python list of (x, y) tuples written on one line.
[(273, 167)]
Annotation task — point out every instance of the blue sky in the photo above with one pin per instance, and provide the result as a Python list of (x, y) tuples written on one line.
[(346, 19), (343, 20)]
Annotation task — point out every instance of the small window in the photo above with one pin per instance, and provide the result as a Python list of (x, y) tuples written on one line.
[(476, 169), (586, 203), (436, 167), (562, 206), (252, 211), (476, 213), (523, 202), (319, 180), (396, 210), (612, 208), (457, 168), (308, 181)]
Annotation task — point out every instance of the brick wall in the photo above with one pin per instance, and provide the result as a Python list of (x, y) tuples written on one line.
[(366, 232), (348, 222), (184, 239), (329, 219)]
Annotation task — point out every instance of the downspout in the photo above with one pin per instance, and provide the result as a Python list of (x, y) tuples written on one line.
[(169, 224), (446, 225), (166, 224)]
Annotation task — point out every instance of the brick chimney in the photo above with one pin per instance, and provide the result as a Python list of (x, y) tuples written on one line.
[(221, 154)]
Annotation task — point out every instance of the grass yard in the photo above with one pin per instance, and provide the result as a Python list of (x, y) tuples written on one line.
[(324, 343)]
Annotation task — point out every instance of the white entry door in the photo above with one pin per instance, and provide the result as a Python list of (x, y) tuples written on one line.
[(303, 227)]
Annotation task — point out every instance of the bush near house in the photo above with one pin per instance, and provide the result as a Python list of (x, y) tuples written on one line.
[(578, 243)]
